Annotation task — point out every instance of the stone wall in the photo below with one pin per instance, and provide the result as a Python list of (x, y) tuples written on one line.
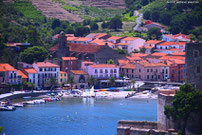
[(164, 98), (138, 124), (193, 66)]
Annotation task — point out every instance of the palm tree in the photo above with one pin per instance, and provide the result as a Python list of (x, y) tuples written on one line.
[(71, 81), (133, 83), (52, 82), (31, 85), (91, 81), (112, 81)]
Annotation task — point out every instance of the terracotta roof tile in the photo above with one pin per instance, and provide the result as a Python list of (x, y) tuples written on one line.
[(62, 72), (69, 58), (46, 64), (153, 42), (6, 67), (172, 43), (125, 44), (103, 66), (153, 64), (31, 70), (114, 38), (78, 72), (129, 66), (71, 38), (129, 38), (82, 39), (22, 74)]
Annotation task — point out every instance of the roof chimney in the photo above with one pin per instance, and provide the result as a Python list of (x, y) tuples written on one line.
[(106, 44)]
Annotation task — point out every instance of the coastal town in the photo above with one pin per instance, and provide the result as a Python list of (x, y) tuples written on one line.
[(80, 67)]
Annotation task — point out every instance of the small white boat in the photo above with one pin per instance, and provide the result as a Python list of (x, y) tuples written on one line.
[(29, 102), (39, 101), (7, 108), (18, 105)]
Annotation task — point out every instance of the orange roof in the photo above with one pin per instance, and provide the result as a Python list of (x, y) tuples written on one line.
[(67, 35), (139, 55), (178, 53), (6, 67), (174, 49), (88, 62), (21, 74), (82, 39), (123, 61), (153, 64), (114, 38), (172, 43), (130, 38), (177, 61), (129, 66), (101, 35), (97, 42), (170, 36), (31, 70), (103, 66), (182, 35), (159, 54), (153, 42), (78, 72), (149, 47), (46, 64), (62, 72), (123, 44), (69, 58), (87, 48), (71, 38)]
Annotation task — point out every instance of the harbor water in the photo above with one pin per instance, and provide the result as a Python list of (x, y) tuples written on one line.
[(77, 116)]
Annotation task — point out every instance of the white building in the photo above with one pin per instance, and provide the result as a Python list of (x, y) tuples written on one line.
[(32, 76), (133, 43), (46, 70), (103, 71)]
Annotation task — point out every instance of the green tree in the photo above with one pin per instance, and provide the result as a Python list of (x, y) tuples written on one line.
[(104, 25), (86, 21), (56, 23), (110, 61), (1, 128), (93, 26), (186, 102), (32, 54), (135, 51), (147, 15), (155, 15), (112, 81), (81, 31), (154, 33), (71, 81), (31, 85), (52, 82), (121, 51), (142, 49), (91, 81), (115, 23), (133, 83), (192, 37)]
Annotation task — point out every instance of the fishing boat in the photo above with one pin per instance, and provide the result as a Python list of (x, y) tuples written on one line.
[(18, 105), (89, 93), (7, 108)]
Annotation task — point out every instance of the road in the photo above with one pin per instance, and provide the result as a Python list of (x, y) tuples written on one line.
[(138, 21)]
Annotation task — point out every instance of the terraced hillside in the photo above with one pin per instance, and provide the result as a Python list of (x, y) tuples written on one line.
[(53, 10), (118, 4)]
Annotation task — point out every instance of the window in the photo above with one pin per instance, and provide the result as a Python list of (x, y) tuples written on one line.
[(33, 75), (66, 63), (132, 71), (156, 70), (147, 76), (44, 69), (166, 71), (158, 76), (111, 70), (40, 69), (198, 70), (139, 76), (101, 71), (147, 70), (162, 70), (151, 70), (95, 70), (152, 77), (71, 62), (127, 70), (139, 70), (181, 71), (106, 71), (114, 70)]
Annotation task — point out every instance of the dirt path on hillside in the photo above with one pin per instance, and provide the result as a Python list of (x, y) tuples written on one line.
[(53, 10)]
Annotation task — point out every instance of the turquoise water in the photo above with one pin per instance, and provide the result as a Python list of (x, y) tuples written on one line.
[(77, 116)]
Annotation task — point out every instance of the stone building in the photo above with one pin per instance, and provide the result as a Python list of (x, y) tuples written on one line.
[(94, 53), (193, 64), (80, 77)]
